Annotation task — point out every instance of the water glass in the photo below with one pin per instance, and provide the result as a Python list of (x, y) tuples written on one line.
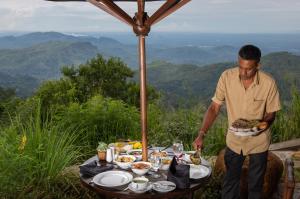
[(155, 160)]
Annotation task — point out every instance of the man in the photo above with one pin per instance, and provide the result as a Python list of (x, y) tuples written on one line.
[(249, 94)]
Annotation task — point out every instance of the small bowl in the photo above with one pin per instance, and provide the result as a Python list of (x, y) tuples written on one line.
[(165, 163), (140, 168), (137, 153), (125, 161)]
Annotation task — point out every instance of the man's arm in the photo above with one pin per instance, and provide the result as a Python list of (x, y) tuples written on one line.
[(269, 118), (209, 118)]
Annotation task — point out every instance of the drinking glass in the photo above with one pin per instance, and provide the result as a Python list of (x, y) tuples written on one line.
[(155, 160), (178, 149)]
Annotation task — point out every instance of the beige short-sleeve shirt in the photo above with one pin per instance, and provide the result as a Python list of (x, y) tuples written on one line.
[(253, 103)]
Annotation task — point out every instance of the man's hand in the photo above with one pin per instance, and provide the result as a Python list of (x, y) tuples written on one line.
[(198, 142), (209, 117)]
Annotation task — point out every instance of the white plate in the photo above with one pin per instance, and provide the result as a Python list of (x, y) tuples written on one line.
[(245, 132), (198, 171), (149, 187), (163, 186), (112, 179)]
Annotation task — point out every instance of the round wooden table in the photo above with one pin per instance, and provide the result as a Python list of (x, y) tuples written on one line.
[(177, 193)]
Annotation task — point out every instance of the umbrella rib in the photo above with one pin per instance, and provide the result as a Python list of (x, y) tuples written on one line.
[(164, 8), (169, 11), (113, 9), (116, 9)]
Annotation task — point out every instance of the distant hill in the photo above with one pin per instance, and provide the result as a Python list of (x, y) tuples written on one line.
[(199, 55), (185, 84), (23, 85), (43, 61)]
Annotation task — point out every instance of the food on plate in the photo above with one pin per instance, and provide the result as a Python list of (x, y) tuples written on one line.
[(135, 152), (159, 153), (195, 158), (166, 161), (140, 165), (262, 125), (124, 159), (137, 145), (121, 147), (140, 168), (244, 124)]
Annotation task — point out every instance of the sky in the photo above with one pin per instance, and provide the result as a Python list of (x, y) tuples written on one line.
[(204, 16)]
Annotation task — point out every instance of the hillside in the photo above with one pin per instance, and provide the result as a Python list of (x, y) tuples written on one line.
[(43, 61), (186, 84), (23, 85), (192, 54)]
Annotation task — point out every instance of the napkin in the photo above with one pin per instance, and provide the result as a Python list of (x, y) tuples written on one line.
[(91, 169), (179, 174)]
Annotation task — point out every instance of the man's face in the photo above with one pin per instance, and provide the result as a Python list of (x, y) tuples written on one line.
[(247, 68)]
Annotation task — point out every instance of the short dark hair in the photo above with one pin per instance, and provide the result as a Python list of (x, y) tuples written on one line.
[(250, 52)]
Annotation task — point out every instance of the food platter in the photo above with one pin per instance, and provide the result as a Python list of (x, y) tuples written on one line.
[(243, 127), (112, 179)]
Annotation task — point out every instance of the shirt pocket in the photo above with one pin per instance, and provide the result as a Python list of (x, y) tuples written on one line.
[(257, 108)]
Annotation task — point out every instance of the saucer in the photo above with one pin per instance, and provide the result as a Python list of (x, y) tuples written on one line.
[(149, 187), (164, 186)]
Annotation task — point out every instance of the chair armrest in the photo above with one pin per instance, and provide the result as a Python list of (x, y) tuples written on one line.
[(289, 179)]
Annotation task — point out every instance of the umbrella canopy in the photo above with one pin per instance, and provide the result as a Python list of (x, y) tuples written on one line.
[(141, 24)]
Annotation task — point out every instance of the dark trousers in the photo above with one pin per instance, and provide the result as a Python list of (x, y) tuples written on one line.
[(256, 171)]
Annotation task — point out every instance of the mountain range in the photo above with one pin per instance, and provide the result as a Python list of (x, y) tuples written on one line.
[(188, 84), (199, 55), (181, 72)]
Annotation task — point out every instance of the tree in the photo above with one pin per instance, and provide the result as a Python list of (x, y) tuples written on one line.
[(109, 78)]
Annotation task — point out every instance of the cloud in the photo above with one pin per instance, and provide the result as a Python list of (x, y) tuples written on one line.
[(197, 15)]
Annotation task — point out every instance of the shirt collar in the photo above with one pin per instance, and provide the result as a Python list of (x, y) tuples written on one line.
[(256, 77)]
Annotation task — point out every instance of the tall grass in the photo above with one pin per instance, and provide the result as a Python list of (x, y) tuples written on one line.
[(287, 123), (33, 156)]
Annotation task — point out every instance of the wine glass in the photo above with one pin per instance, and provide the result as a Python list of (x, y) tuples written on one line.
[(178, 149)]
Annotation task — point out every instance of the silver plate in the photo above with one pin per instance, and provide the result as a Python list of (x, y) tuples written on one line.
[(198, 171), (112, 179)]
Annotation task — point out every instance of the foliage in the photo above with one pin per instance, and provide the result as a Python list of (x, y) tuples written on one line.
[(55, 95), (97, 76), (33, 156), (183, 124), (102, 119), (8, 104), (287, 123)]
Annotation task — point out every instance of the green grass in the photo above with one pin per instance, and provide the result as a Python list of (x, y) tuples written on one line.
[(33, 156)]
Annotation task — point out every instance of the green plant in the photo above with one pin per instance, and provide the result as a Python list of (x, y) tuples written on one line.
[(102, 146), (33, 156)]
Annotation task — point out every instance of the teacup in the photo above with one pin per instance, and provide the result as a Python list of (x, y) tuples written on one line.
[(140, 183)]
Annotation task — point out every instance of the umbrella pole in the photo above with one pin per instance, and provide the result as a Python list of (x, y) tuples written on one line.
[(143, 95)]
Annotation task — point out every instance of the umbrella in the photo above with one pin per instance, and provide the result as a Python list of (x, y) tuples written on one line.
[(141, 24)]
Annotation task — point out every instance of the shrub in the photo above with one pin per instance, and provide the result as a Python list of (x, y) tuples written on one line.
[(33, 156)]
